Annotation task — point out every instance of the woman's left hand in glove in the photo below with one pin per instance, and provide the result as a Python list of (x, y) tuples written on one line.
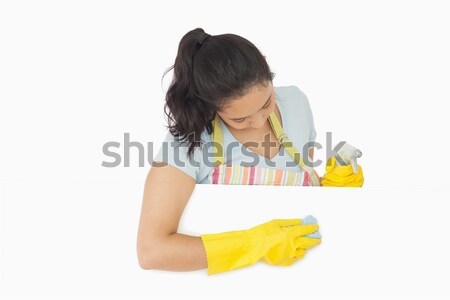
[(344, 176)]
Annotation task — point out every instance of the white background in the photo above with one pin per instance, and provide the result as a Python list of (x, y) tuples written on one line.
[(75, 75)]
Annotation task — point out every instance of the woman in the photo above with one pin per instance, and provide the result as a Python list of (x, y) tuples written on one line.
[(222, 105)]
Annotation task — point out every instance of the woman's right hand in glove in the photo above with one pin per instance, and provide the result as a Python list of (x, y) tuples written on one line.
[(277, 242), (285, 241)]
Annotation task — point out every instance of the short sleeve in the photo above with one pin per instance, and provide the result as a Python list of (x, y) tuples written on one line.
[(307, 107), (313, 134), (174, 152)]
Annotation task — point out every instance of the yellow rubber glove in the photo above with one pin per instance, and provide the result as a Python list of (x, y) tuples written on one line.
[(277, 242), (344, 176)]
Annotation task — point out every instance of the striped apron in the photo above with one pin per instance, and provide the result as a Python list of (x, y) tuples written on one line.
[(252, 175)]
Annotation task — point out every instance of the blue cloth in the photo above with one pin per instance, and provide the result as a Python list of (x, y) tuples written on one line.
[(311, 220)]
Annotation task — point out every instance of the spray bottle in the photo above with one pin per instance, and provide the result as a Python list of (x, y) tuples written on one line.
[(349, 155)]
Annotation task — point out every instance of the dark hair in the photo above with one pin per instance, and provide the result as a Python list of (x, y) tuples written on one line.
[(206, 76)]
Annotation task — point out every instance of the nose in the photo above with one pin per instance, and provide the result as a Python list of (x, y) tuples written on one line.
[(258, 122)]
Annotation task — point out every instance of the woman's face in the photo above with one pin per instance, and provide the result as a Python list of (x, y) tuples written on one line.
[(251, 110)]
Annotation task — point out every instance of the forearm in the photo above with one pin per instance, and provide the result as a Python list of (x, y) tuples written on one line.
[(179, 252)]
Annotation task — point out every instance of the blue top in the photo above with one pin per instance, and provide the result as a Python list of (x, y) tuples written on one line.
[(298, 124)]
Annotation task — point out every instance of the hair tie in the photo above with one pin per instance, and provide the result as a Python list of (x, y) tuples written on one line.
[(204, 37)]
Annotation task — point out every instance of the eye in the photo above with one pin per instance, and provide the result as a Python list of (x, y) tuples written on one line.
[(265, 106), (268, 104)]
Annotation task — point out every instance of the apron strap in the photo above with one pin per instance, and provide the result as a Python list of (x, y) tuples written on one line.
[(290, 149), (217, 139)]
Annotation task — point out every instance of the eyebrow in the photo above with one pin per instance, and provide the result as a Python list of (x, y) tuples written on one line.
[(270, 97)]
